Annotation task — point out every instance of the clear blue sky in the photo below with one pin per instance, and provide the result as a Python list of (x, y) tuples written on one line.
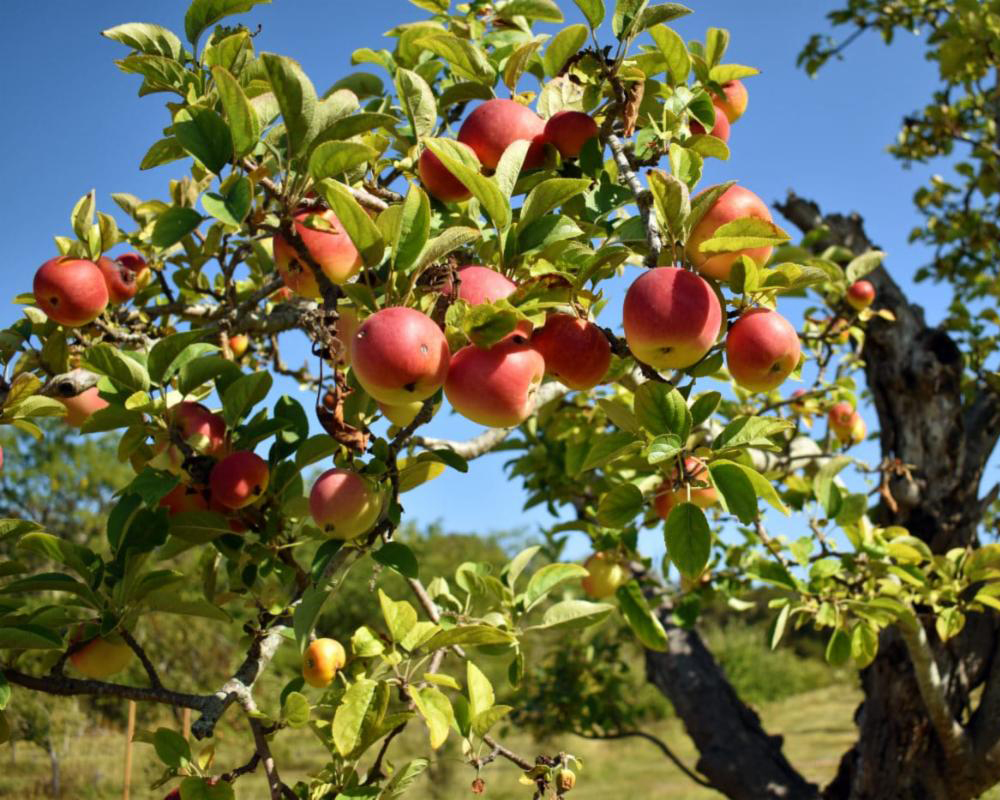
[(74, 122)]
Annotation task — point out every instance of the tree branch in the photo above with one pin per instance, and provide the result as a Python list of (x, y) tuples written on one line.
[(64, 686), (643, 199), (274, 784), (670, 754)]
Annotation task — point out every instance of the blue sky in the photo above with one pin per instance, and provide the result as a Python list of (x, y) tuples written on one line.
[(75, 123)]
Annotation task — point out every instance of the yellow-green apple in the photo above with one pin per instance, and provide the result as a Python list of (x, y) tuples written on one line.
[(733, 204), (438, 181), (674, 489), (98, 657), (327, 244), (321, 660), (238, 345), (672, 318), (733, 101), (239, 479), (495, 387), (762, 349), (343, 504), (401, 415), (71, 291), (120, 281), (576, 351), (400, 355), (138, 266), (565, 780), (858, 432), (495, 125), (569, 131), (182, 499), (79, 407), (720, 130), (860, 295), (607, 573)]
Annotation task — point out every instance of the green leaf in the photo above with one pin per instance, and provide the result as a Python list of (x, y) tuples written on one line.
[(716, 44), (593, 10), (564, 45), (777, 627), (736, 488), (641, 620), (202, 14), (864, 644), (481, 695), (619, 506), (672, 201), (52, 582), (685, 163), (205, 135), (295, 711), (171, 748), (675, 53), (417, 100), (663, 448), (413, 226), (466, 58), (167, 602), (750, 432), (626, 17), (688, 538), (297, 100), (660, 408), (147, 38), (232, 208), (75, 556), (548, 578), (519, 60), (548, 195), (435, 708), (399, 557), (358, 225), (485, 190), (826, 491), (243, 394), (365, 643), (445, 243), (572, 614), (124, 372), (173, 225), (335, 158), (416, 473), (485, 720), (606, 447), (399, 616), (743, 234), (307, 612), (469, 636), (349, 718), (724, 73), (198, 789), (838, 648), (4, 692), (704, 407), (665, 12), (29, 637), (863, 264), (244, 124), (541, 10), (509, 167), (403, 779)]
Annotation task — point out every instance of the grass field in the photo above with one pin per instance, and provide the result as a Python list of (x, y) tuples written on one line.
[(817, 727)]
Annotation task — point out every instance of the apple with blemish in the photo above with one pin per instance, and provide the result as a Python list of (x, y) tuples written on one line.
[(477, 285), (733, 101), (239, 480), (400, 355), (495, 387), (733, 204), (80, 407), (71, 291), (691, 486), (438, 181), (576, 351), (672, 317), (321, 660), (568, 131), (119, 279), (860, 295), (496, 124), (98, 657), (607, 573), (720, 130), (327, 244), (762, 349), (343, 504)]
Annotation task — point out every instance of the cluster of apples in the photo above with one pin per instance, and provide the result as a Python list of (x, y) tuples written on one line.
[(75, 291), (729, 107), (847, 424)]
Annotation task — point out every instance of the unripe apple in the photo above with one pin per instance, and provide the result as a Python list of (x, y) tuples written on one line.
[(576, 351), (733, 101), (100, 657), (239, 479), (858, 432), (204, 430), (720, 130), (762, 349), (674, 489), (438, 181), (332, 250), (565, 780), (400, 355), (343, 504), (860, 295), (672, 318), (321, 661), (401, 415), (495, 125), (71, 291), (735, 203), (238, 345), (120, 281), (182, 499), (495, 387), (80, 407), (569, 131), (606, 575)]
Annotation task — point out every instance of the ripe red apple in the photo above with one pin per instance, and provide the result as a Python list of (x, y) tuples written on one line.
[(239, 479), (138, 266), (846, 423), (860, 295), (606, 575), (119, 279), (480, 285), (282, 295), (199, 427), (569, 131), (321, 661), (343, 504), (238, 345), (81, 406), (71, 291), (735, 203), (100, 657), (400, 355), (495, 387), (733, 101), (175, 794), (182, 499), (332, 250), (576, 351), (762, 349), (720, 130), (496, 124), (672, 317), (438, 181), (674, 489)]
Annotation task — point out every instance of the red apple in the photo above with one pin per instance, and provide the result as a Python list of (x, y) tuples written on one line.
[(569, 131), (735, 203), (81, 406), (733, 101), (343, 504), (239, 479), (672, 318), (100, 657), (199, 427), (606, 575), (438, 181), (175, 794), (71, 291), (480, 285), (282, 295), (400, 355), (720, 130), (496, 124), (576, 351), (120, 281), (841, 415), (182, 499), (495, 387), (762, 349), (332, 250), (1, 457), (674, 489), (238, 345), (846, 423), (860, 295)]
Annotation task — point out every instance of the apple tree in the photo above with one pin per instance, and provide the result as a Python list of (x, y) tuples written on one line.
[(445, 224)]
